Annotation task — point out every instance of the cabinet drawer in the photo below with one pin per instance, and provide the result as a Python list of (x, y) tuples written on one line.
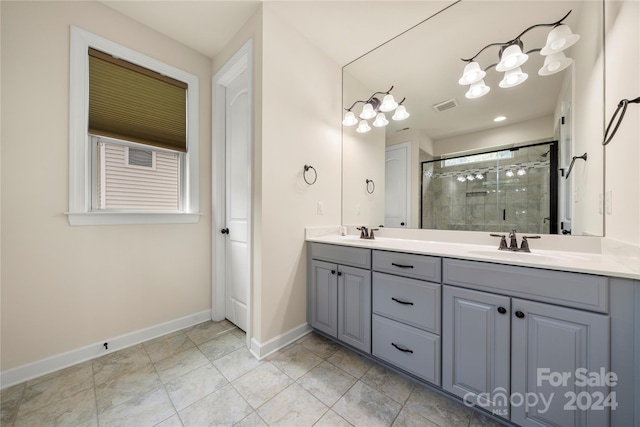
[(408, 348), (408, 300), (578, 290), (346, 255), (410, 265)]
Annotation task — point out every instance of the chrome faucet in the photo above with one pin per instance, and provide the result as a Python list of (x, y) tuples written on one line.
[(513, 242), (367, 234)]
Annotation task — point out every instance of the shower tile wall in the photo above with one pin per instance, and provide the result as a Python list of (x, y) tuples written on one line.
[(478, 205)]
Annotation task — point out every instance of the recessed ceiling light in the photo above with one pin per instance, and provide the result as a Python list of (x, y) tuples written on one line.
[(499, 119)]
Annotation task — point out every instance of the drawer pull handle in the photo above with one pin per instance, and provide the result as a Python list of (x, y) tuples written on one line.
[(404, 350), (402, 302), (401, 266)]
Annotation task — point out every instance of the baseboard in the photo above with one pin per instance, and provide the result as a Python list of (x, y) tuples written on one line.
[(260, 351), (54, 363)]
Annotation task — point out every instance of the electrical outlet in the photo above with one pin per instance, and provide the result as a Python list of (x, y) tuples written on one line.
[(601, 203), (320, 208), (608, 201)]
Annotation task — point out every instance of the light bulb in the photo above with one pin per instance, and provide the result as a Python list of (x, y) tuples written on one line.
[(472, 74), (470, 177), (477, 89), (388, 103), (380, 121), (461, 179), (350, 119), (401, 113), (521, 172), (363, 127), (479, 176), (509, 173), (513, 78), (367, 112)]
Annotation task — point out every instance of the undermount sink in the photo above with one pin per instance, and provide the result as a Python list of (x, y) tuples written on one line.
[(527, 256)]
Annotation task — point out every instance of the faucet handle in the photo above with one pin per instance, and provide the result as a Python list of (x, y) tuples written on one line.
[(503, 241), (364, 234), (371, 236), (525, 244)]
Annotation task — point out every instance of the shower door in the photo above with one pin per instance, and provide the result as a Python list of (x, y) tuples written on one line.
[(497, 191)]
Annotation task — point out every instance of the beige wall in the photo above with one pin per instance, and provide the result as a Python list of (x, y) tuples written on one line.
[(363, 157), (66, 287), (300, 125), (622, 155)]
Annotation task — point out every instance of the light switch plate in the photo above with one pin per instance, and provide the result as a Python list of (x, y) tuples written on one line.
[(320, 208)]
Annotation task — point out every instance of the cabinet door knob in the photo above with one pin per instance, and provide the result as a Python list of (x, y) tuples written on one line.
[(502, 310), (519, 314), (333, 272), (339, 273), (225, 231)]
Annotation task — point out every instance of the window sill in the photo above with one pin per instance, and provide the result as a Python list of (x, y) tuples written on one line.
[(130, 218)]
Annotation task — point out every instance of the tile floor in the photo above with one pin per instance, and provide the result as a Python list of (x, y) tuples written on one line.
[(204, 375)]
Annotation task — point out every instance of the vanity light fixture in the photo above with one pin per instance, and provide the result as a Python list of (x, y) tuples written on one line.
[(521, 172), (511, 57), (479, 176), (374, 108), (509, 173)]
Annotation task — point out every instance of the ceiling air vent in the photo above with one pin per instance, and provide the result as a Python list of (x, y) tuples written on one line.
[(446, 105)]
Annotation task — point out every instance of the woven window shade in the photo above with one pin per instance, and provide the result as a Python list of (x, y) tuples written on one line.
[(132, 103)]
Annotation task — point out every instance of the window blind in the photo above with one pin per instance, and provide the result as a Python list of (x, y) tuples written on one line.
[(133, 103)]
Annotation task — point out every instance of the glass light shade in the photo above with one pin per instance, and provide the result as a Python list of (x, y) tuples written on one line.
[(479, 176), (461, 179), (349, 119), (512, 57), (554, 63), (363, 127), (388, 104), (509, 173), (477, 89), (521, 172), (367, 112), (559, 39), (401, 113), (380, 121), (470, 178), (472, 74), (513, 78)]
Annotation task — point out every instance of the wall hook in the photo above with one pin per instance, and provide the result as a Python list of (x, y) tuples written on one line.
[(304, 174), (573, 160), (371, 186)]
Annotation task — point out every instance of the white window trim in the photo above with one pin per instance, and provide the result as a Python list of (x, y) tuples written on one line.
[(80, 179)]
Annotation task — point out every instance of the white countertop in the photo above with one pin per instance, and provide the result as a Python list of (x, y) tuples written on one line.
[(580, 262)]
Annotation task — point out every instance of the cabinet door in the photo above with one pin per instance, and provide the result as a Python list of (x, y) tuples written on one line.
[(476, 347), (323, 298), (549, 346), (354, 307)]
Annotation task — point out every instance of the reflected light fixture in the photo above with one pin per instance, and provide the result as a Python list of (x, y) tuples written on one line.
[(509, 173), (373, 107), (479, 176), (521, 172), (511, 58)]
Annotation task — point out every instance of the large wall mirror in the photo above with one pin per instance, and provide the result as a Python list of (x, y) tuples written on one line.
[(450, 165)]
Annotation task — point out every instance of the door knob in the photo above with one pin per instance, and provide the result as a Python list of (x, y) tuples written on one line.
[(225, 231)]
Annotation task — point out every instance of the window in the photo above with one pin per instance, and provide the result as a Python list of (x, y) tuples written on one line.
[(133, 137)]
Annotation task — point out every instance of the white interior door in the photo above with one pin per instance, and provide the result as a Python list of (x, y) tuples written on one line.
[(232, 159), (237, 168), (397, 181)]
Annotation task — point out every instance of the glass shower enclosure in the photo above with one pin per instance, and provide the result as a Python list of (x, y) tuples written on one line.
[(494, 191)]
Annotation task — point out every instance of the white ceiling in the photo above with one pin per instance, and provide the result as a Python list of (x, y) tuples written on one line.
[(344, 30)]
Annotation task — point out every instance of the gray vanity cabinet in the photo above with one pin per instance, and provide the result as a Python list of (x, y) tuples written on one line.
[(505, 353), (558, 340), (476, 347), (339, 300)]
